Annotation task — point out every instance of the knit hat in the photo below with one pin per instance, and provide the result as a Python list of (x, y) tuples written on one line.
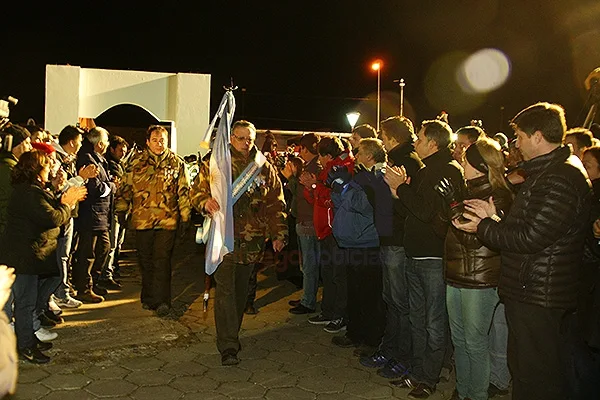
[(18, 133), (45, 147)]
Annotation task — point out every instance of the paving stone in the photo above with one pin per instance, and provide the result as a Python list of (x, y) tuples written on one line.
[(320, 384), (70, 395), (143, 363), (111, 388), (243, 390), (112, 372), (194, 384), (336, 396), (31, 375), (289, 393), (259, 365), (303, 369), (289, 356), (348, 374), (228, 374), (203, 348), (149, 378), (211, 360), (274, 345), (312, 348), (298, 337), (66, 382), (253, 324), (328, 360), (66, 368), (273, 379), (156, 393), (212, 395), (27, 391), (176, 355), (368, 390), (252, 353), (185, 368)]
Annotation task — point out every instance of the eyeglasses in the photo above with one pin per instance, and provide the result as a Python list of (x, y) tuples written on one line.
[(243, 139)]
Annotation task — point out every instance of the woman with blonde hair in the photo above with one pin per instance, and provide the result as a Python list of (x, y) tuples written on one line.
[(472, 271)]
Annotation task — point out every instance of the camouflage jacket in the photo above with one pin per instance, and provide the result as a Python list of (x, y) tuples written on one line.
[(155, 189), (258, 215)]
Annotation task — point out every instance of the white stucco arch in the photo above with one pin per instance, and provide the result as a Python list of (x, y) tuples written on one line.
[(74, 92)]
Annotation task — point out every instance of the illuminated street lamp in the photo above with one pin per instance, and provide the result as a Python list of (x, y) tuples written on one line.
[(376, 66), (352, 118)]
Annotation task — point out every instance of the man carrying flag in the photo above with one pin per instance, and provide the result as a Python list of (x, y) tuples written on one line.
[(258, 214)]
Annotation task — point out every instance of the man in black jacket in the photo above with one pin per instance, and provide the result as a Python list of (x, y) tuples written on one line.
[(393, 354), (424, 233), (541, 243), (92, 224)]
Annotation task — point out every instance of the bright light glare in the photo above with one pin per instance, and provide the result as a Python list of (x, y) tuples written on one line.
[(484, 71), (352, 118), (376, 66)]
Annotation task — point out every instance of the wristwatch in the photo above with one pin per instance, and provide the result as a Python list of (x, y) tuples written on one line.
[(313, 186)]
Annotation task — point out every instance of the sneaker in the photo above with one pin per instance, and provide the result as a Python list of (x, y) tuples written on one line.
[(393, 370), (404, 383), (46, 322), (53, 306), (100, 290), (44, 335), (294, 303), (301, 309), (163, 310), (69, 302), (335, 326), (110, 284), (57, 319), (33, 355), (494, 390), (42, 346), (421, 391), (229, 357), (319, 320), (376, 360)]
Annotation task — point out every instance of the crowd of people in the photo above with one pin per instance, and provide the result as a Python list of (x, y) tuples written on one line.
[(436, 250)]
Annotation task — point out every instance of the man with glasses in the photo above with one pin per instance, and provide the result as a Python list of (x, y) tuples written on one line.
[(258, 214)]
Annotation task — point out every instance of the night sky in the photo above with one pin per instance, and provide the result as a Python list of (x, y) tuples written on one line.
[(304, 64)]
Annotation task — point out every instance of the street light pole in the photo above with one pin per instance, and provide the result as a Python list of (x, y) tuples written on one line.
[(401, 83), (376, 66)]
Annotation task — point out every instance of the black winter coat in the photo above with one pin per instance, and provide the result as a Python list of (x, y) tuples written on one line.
[(426, 226), (541, 239), (95, 210), (33, 225), (468, 263)]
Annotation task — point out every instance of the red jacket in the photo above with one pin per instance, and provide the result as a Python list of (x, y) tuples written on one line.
[(320, 197)]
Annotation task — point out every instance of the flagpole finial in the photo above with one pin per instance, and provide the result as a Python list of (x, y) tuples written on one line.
[(231, 86)]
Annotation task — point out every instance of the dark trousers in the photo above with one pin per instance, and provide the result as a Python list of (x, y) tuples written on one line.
[(231, 295), (396, 341), (25, 290), (92, 253), (46, 286), (253, 284), (535, 356), (335, 281), (154, 251), (366, 314)]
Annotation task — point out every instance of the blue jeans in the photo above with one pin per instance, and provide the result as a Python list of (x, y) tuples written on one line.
[(471, 312), (499, 373), (396, 341), (116, 236), (63, 253), (25, 290), (310, 252), (428, 318)]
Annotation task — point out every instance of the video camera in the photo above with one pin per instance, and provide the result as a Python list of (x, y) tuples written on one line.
[(6, 138)]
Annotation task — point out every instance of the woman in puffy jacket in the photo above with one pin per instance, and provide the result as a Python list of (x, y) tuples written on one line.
[(472, 271)]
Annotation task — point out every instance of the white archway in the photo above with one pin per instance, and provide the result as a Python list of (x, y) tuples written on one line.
[(75, 92)]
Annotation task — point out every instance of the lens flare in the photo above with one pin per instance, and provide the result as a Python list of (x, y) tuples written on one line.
[(484, 71)]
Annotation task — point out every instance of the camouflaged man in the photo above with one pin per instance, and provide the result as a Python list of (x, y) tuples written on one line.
[(258, 215), (155, 190)]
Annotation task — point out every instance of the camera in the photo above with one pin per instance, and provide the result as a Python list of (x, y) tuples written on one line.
[(6, 138)]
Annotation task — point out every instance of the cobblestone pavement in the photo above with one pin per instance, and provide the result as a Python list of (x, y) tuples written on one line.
[(117, 350)]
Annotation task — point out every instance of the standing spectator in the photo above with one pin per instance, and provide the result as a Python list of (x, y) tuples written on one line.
[(116, 168), (92, 224), (424, 234), (579, 139), (258, 214), (310, 246), (394, 352), (360, 132), (465, 137), (9, 364), (541, 242), (34, 220), (335, 296), (471, 272), (155, 189)]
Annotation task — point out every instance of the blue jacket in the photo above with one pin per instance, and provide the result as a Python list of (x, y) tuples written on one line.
[(353, 221)]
